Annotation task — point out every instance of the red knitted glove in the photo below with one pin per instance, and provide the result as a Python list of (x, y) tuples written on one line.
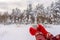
[(32, 31)]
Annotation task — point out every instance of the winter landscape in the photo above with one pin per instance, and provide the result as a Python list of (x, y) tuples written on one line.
[(16, 17)]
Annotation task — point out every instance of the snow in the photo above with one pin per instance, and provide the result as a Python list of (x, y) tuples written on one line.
[(21, 32), (54, 29), (15, 32)]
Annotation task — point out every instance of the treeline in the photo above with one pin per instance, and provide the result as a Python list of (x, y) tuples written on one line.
[(48, 15)]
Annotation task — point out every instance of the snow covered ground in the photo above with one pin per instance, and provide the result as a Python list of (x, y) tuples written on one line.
[(21, 32)]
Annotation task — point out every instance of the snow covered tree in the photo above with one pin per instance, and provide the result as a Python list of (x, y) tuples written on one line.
[(28, 12), (40, 13), (57, 12), (15, 15)]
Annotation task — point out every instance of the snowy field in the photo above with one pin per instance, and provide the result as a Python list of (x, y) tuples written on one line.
[(21, 32)]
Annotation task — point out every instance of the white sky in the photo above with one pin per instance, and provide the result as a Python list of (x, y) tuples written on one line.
[(22, 4)]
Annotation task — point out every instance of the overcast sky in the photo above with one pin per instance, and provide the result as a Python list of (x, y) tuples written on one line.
[(22, 4)]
